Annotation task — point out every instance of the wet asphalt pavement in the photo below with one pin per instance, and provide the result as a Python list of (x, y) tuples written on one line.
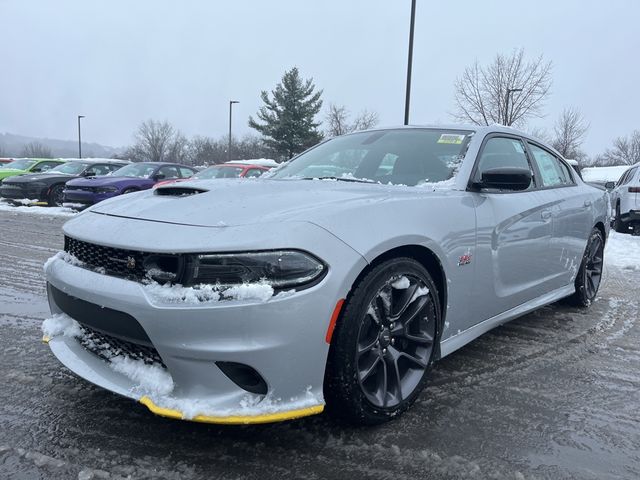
[(555, 394)]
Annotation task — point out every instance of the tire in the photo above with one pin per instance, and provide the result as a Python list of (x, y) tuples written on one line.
[(618, 224), (396, 305), (56, 196), (589, 275)]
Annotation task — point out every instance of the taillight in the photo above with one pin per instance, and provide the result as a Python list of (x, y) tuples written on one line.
[(634, 189)]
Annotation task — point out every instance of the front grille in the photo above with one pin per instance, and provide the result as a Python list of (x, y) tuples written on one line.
[(110, 261), (108, 347)]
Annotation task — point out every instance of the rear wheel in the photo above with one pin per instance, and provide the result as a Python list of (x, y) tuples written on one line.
[(56, 196), (590, 272), (383, 345)]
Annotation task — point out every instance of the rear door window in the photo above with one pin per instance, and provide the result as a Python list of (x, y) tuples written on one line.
[(553, 172), (186, 172), (253, 172), (44, 166), (169, 172)]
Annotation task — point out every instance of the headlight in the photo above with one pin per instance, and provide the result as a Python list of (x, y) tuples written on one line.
[(281, 268), (105, 189)]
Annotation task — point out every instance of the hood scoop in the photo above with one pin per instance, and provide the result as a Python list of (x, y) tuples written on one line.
[(177, 191)]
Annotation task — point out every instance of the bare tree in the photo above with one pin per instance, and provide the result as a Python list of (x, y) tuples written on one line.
[(207, 151), (36, 150), (337, 119), (158, 142), (625, 151), (508, 91), (569, 132)]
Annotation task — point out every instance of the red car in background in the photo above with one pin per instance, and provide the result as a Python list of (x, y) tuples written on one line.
[(6, 160), (224, 170)]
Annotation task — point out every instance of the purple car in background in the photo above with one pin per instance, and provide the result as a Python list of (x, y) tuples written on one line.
[(83, 192)]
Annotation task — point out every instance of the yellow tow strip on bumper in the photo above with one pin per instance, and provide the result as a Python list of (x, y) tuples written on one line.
[(233, 419), (45, 339)]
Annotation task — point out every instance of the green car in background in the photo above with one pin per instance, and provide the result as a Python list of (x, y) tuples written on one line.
[(27, 165)]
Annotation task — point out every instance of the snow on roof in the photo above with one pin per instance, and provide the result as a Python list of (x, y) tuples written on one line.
[(264, 162), (604, 174)]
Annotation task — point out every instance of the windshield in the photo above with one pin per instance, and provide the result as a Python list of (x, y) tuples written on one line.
[(398, 157), (140, 170), (70, 168), (219, 171), (23, 164)]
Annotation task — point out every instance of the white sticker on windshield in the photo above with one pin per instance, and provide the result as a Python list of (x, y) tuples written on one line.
[(451, 139)]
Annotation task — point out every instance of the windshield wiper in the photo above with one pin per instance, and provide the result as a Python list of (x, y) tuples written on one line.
[(341, 179)]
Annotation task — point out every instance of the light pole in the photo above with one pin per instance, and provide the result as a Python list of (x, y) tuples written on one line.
[(407, 100), (79, 137), (231, 102), (506, 104)]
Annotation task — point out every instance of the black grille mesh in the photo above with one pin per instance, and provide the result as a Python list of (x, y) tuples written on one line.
[(108, 347), (110, 261)]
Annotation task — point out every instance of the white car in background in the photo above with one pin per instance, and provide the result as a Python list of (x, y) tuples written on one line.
[(625, 199)]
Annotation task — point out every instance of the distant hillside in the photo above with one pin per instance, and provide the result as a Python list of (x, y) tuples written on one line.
[(11, 146)]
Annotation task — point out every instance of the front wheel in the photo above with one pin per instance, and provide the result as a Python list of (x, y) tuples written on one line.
[(56, 196), (590, 273), (384, 343)]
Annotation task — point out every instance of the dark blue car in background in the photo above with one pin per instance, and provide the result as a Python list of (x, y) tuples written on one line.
[(83, 192)]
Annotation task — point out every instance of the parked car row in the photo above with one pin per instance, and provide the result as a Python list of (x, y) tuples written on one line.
[(80, 183)]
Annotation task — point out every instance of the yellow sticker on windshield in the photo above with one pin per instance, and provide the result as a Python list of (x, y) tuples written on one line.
[(451, 139)]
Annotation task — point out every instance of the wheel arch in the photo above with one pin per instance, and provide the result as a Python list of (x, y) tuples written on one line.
[(429, 260)]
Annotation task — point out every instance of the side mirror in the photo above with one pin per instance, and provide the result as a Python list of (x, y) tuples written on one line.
[(159, 176), (506, 178), (610, 185), (36, 170), (88, 173)]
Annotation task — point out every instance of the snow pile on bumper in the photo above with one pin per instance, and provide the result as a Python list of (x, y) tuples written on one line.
[(153, 386)]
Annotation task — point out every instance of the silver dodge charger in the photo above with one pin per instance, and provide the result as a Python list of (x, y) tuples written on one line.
[(336, 281)]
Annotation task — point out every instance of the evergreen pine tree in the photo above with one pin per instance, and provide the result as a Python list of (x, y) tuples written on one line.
[(289, 125)]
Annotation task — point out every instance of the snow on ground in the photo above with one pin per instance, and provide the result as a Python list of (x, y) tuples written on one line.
[(623, 251), (33, 209), (603, 174)]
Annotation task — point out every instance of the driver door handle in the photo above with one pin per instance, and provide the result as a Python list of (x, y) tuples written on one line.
[(587, 203), (545, 214)]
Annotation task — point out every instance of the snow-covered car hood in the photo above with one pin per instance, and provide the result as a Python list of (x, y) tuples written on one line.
[(243, 202)]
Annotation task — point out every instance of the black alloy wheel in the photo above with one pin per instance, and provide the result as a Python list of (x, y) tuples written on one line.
[(384, 343), (395, 341), (56, 195), (589, 275)]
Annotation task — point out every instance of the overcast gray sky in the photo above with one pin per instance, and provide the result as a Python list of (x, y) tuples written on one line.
[(120, 62)]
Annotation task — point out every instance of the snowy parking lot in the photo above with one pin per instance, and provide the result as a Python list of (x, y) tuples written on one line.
[(554, 394)]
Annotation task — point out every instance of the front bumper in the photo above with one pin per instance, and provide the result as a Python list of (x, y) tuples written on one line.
[(21, 192), (283, 339), (85, 197)]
